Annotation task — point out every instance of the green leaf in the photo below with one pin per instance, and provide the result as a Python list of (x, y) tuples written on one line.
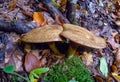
[(9, 69), (104, 66), (55, 3), (73, 80), (36, 72), (40, 70), (31, 78)]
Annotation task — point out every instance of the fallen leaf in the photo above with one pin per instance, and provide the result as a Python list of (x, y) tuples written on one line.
[(116, 76), (35, 80), (113, 44), (63, 2), (114, 69), (31, 62), (39, 18), (117, 55), (104, 66), (41, 6), (98, 78), (59, 20), (13, 5), (87, 58)]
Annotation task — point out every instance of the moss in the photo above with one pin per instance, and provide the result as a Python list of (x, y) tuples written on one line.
[(72, 68)]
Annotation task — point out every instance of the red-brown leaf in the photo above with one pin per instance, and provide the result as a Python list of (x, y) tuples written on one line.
[(31, 62)]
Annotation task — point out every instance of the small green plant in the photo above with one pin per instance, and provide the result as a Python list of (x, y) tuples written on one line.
[(72, 68), (34, 74), (10, 69)]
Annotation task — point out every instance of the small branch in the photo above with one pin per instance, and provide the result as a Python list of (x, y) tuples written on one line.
[(18, 27), (53, 10)]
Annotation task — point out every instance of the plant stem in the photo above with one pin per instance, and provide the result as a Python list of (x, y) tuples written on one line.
[(21, 76)]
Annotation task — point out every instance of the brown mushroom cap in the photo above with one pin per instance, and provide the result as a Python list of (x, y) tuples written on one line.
[(43, 34), (82, 36)]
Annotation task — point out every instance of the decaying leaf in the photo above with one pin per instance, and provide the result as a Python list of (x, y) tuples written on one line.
[(114, 69), (59, 20), (31, 62), (116, 76), (63, 2), (13, 4), (104, 66), (39, 18), (87, 58), (113, 44), (117, 55), (99, 78)]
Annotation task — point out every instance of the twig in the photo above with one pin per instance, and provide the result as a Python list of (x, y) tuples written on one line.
[(53, 10), (18, 27)]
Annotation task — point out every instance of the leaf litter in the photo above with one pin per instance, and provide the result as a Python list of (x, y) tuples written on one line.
[(100, 17)]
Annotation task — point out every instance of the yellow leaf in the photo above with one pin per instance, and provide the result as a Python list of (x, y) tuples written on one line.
[(63, 2), (35, 80), (39, 18), (87, 58), (116, 76)]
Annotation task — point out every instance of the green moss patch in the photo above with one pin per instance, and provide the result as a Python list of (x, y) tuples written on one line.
[(73, 68)]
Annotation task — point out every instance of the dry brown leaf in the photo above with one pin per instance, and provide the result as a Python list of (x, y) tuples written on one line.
[(113, 44), (31, 62), (87, 58), (13, 5), (41, 6), (63, 4), (98, 78), (14, 58), (117, 38), (117, 64), (39, 18), (114, 69), (117, 55), (59, 20)]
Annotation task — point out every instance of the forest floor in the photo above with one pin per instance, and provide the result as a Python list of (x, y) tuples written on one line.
[(18, 17)]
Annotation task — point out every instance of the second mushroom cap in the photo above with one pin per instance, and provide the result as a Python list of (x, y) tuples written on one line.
[(82, 36)]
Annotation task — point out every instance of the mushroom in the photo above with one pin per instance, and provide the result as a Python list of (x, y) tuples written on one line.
[(48, 33), (81, 36)]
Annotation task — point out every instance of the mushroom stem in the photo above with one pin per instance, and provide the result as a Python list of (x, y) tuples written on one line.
[(72, 49), (53, 48)]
